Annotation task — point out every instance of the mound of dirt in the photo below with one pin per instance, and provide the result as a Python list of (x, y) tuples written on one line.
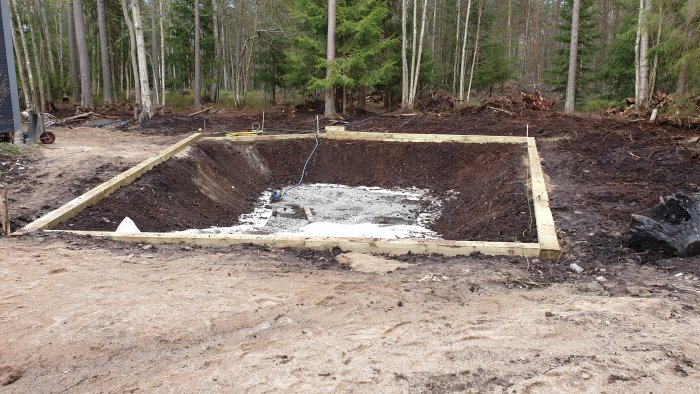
[(436, 101), (524, 104), (219, 181)]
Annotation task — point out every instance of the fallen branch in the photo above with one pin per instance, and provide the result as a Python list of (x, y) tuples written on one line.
[(207, 109), (74, 117), (501, 110)]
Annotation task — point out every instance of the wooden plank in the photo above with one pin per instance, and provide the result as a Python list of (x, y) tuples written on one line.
[(546, 232), (262, 137), (94, 195), (434, 138), (365, 245), (384, 137), (4, 212), (309, 215)]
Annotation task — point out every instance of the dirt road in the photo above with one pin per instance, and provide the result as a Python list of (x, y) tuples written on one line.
[(84, 315)]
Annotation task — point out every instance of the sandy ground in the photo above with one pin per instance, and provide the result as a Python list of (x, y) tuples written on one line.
[(93, 316)]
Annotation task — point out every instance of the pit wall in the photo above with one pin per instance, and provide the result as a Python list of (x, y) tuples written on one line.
[(547, 245)]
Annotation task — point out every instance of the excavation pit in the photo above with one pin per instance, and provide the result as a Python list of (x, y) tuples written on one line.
[(377, 192)]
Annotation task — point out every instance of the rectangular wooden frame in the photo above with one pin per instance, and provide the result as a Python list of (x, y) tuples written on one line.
[(546, 247)]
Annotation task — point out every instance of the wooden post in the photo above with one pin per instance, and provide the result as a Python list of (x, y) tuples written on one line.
[(4, 214)]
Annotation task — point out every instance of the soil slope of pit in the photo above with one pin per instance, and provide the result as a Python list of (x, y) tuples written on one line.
[(220, 180)]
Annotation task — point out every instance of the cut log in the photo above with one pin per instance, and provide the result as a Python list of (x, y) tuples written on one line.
[(673, 226)]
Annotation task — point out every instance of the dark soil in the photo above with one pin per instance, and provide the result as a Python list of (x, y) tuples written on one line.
[(221, 180)]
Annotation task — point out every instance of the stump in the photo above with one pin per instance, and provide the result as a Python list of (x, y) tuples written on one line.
[(673, 226)]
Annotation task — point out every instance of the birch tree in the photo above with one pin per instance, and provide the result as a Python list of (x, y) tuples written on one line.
[(463, 64), (132, 51), (573, 53), (404, 56), (146, 104), (476, 48)]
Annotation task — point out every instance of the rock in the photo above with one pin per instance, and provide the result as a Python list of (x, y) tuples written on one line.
[(600, 279), (548, 314), (596, 287), (576, 268), (367, 263)]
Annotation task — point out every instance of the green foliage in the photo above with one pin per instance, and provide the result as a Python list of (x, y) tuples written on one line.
[(618, 69), (587, 36), (601, 103), (493, 67), (366, 54), (180, 40)]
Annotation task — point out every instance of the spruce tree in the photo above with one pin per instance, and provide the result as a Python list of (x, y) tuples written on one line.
[(365, 51), (557, 74)]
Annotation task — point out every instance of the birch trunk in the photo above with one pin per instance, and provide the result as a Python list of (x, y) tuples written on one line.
[(132, 53), (216, 71), (154, 52), (146, 104), (476, 48), (83, 56), (637, 63), (27, 59), (162, 53), (40, 104), (197, 90), (416, 71), (456, 55), (21, 69), (404, 59), (330, 58), (573, 55), (644, 62), (104, 53), (462, 69)]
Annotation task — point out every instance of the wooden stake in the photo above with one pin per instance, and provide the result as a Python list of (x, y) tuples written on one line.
[(4, 214), (309, 215)]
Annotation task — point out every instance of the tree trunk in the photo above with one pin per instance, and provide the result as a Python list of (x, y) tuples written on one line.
[(83, 56), (216, 70), (155, 64), (509, 30), (644, 62), (74, 62), (463, 66), (415, 73), (655, 65), (330, 59), (21, 69), (146, 105), (27, 59), (404, 59), (637, 58), (476, 48), (456, 54), (104, 52), (132, 52), (40, 104), (162, 53), (197, 90), (573, 63)]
